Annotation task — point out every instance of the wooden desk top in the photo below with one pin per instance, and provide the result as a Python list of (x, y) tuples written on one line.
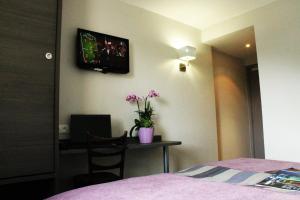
[(67, 145), (152, 145)]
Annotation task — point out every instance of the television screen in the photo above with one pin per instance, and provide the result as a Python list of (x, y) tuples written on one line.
[(101, 52)]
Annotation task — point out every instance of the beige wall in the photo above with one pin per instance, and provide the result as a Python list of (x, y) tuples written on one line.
[(277, 33), (232, 106), (186, 109)]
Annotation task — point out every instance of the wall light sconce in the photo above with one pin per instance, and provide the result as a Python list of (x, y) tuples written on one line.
[(186, 53)]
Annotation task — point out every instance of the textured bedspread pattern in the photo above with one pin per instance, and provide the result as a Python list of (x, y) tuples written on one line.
[(183, 187), (171, 187), (224, 174)]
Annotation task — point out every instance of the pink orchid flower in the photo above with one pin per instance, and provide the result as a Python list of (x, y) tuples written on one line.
[(132, 98), (153, 93)]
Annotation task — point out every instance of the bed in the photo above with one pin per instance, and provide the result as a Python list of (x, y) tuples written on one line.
[(178, 187)]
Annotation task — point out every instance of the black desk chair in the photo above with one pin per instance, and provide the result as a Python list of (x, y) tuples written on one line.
[(103, 148)]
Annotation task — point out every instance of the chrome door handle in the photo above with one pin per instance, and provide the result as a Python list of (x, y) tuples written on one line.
[(49, 56)]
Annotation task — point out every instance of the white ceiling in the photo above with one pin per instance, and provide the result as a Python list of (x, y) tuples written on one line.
[(234, 43), (199, 13)]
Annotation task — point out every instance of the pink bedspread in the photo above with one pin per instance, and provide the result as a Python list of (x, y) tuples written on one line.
[(174, 187), (256, 165)]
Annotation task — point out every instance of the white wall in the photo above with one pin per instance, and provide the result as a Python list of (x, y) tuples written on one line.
[(233, 117), (277, 30), (186, 109)]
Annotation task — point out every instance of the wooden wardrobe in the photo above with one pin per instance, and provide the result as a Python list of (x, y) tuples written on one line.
[(29, 60)]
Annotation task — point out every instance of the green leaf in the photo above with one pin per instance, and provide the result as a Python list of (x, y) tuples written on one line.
[(137, 122)]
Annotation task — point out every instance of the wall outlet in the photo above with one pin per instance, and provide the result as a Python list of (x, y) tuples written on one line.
[(64, 131), (64, 128)]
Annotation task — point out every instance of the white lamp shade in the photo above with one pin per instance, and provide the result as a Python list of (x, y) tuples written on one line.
[(187, 53)]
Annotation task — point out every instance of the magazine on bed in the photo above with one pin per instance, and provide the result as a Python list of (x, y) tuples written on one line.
[(286, 179)]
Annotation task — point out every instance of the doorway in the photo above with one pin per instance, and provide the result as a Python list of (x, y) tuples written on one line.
[(256, 112), (237, 91)]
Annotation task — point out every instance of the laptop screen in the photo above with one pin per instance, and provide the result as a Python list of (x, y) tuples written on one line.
[(99, 125)]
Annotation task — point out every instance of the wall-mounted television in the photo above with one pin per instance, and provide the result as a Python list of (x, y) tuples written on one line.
[(101, 52)]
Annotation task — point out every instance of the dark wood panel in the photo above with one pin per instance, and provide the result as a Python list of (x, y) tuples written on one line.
[(31, 189), (27, 86), (26, 160)]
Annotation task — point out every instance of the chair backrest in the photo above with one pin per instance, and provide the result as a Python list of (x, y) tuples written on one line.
[(99, 147)]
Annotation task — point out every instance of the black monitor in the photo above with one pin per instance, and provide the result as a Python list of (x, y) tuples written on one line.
[(99, 125)]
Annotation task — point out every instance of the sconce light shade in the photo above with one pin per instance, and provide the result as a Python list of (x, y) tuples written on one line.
[(187, 53)]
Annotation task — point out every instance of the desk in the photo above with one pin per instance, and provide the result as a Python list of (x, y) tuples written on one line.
[(164, 144), (67, 147)]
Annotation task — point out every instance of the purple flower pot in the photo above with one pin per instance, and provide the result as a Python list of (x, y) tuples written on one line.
[(146, 135)]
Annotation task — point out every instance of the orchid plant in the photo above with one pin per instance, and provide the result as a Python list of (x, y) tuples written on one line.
[(145, 114)]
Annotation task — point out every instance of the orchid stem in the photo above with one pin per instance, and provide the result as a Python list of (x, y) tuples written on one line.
[(138, 105)]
